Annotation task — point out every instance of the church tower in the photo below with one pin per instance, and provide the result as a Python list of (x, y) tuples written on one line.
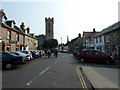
[(49, 22)]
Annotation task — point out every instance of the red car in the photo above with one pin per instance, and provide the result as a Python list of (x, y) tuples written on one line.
[(95, 56)]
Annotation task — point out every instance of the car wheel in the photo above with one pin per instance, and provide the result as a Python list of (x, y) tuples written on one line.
[(107, 62), (9, 66), (82, 60)]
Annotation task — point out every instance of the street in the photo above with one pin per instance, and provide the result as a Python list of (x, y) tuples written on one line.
[(60, 72)]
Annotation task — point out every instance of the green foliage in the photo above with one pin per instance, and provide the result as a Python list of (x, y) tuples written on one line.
[(50, 43)]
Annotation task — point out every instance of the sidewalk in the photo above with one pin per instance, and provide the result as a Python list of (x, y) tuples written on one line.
[(102, 77)]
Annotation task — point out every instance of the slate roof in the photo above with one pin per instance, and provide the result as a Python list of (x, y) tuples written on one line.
[(110, 28), (14, 29), (17, 29)]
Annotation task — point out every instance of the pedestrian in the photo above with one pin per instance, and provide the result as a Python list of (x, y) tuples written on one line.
[(49, 53), (55, 52), (42, 53), (114, 53), (46, 53)]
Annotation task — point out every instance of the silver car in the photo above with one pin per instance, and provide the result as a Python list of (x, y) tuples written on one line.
[(21, 54), (28, 53)]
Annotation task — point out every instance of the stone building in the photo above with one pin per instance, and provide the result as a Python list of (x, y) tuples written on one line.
[(30, 42), (40, 39), (111, 38), (49, 26), (14, 38), (75, 44), (89, 39)]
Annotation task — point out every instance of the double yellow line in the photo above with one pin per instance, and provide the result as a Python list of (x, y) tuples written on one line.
[(84, 86)]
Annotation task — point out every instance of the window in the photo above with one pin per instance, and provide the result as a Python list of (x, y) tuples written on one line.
[(89, 52), (97, 53), (8, 35), (17, 37), (96, 40), (8, 48), (107, 38), (100, 39), (17, 48)]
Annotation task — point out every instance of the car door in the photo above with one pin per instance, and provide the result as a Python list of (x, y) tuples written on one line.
[(89, 55), (5, 59), (98, 56)]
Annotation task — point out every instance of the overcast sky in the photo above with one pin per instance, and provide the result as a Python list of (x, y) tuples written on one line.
[(71, 17)]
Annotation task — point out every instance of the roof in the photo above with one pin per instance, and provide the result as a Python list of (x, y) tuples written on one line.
[(17, 29), (90, 34), (110, 28), (14, 29)]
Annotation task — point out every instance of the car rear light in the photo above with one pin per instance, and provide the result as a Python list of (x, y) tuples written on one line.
[(22, 59), (28, 56)]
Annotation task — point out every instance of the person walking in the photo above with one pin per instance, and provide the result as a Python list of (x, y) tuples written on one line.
[(55, 52), (49, 53), (114, 53)]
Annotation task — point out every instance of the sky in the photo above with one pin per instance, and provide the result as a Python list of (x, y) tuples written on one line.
[(71, 17)]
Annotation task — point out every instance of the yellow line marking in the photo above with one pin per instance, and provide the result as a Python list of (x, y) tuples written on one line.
[(81, 79)]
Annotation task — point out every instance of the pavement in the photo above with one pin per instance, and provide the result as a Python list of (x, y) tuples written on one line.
[(102, 77)]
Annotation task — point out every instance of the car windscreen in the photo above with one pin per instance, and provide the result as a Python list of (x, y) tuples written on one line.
[(25, 52), (11, 54)]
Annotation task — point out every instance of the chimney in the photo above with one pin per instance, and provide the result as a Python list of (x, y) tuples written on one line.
[(28, 30), (32, 34), (79, 35), (22, 26), (94, 30)]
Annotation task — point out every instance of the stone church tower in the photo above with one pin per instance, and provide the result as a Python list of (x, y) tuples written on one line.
[(49, 22)]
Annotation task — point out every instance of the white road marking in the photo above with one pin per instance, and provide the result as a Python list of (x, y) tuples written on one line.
[(56, 62), (38, 75)]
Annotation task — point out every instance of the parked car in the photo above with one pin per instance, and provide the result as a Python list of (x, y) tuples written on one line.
[(34, 54), (95, 56), (21, 54), (10, 60), (38, 52), (75, 52), (28, 53), (63, 51)]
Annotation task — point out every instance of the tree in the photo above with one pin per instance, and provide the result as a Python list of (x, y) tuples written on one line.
[(50, 43)]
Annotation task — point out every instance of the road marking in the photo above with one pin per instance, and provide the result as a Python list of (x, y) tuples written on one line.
[(38, 75), (81, 78)]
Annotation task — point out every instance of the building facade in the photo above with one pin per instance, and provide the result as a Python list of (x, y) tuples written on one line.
[(75, 44), (49, 26), (89, 39), (111, 40), (14, 38), (40, 39), (30, 41), (100, 43)]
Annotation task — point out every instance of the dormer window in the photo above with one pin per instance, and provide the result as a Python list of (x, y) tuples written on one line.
[(10, 23)]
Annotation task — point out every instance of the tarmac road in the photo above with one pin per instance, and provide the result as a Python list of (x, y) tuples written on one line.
[(60, 72), (51, 72)]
